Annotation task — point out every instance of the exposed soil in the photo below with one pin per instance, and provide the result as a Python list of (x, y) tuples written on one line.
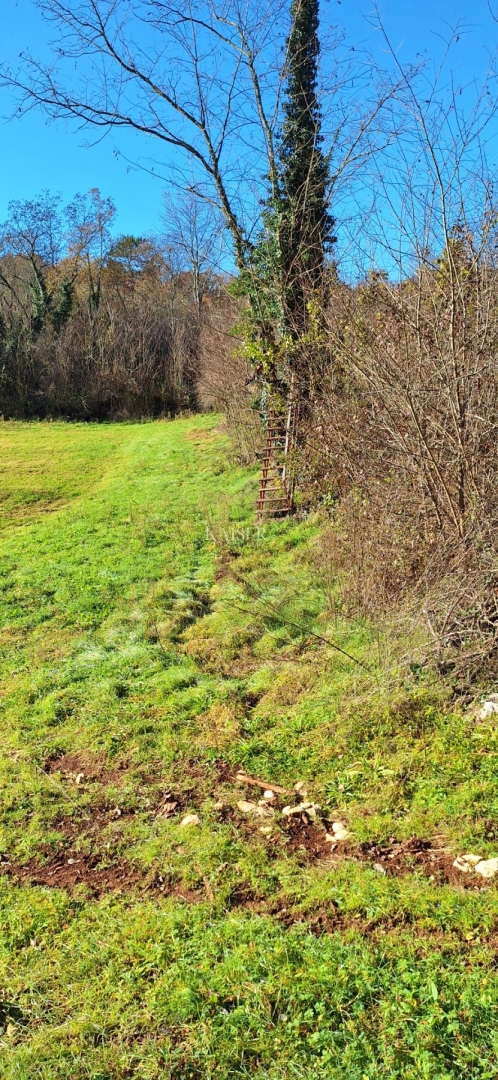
[(324, 920), (150, 788), (85, 768), (82, 859), (397, 858), (328, 918), (102, 873), (306, 840), (68, 869), (393, 858)]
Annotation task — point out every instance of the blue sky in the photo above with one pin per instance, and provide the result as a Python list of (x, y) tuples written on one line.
[(36, 155)]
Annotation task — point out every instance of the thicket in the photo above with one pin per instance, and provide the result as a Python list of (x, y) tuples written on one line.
[(400, 447), (400, 450)]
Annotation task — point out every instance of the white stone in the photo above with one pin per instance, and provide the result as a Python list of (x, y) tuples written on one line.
[(263, 810), (303, 808), (466, 863), (487, 868), (191, 819), (488, 708), (269, 795), (339, 830)]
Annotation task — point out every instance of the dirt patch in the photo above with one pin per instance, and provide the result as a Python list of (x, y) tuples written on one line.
[(306, 840), (244, 896), (98, 872), (329, 919), (397, 858), (394, 858), (145, 791), (326, 919), (138, 789), (85, 768), (91, 768), (68, 869), (92, 839), (81, 859)]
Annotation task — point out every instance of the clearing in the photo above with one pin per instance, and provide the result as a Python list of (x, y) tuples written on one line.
[(157, 653)]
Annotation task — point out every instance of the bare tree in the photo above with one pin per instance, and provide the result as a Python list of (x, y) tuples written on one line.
[(90, 218), (189, 79), (203, 83), (33, 236), (193, 236)]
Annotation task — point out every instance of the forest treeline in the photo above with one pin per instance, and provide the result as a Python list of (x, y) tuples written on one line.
[(94, 326)]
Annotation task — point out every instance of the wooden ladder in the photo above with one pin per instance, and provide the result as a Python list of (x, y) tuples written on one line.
[(276, 490)]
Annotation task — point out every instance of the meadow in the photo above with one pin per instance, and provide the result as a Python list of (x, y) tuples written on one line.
[(156, 647)]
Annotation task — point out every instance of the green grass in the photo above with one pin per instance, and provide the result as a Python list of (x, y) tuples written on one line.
[(152, 638)]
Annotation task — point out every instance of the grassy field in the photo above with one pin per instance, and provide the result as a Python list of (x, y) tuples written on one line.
[(153, 644)]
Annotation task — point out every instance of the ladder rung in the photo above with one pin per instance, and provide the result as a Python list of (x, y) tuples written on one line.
[(283, 500)]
